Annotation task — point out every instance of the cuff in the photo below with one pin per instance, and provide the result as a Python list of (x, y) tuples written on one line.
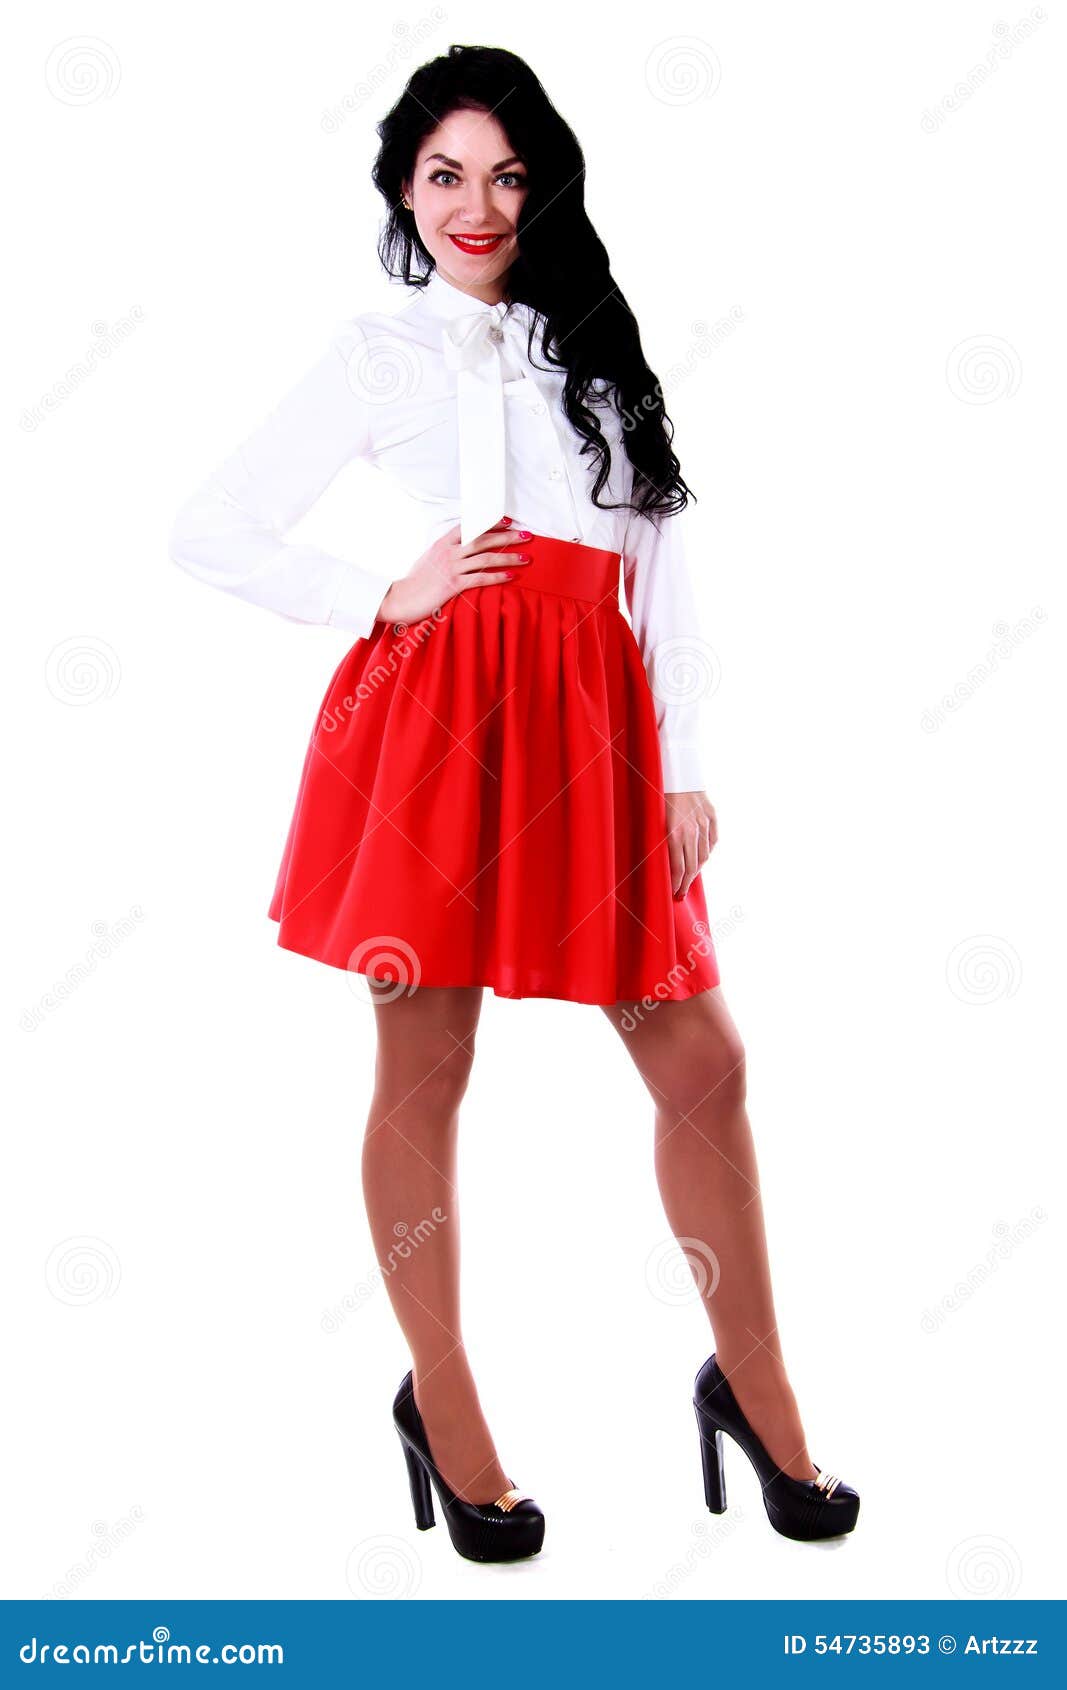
[(358, 601), (683, 765)]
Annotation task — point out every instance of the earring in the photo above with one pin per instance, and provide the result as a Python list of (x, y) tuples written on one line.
[(406, 205)]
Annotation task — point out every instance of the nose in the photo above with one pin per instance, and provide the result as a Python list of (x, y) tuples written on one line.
[(476, 207)]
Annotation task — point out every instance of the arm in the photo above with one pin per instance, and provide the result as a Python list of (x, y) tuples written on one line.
[(229, 533), (663, 615)]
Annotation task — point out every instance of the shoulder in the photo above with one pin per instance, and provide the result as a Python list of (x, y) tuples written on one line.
[(405, 321), (376, 347), (362, 327)]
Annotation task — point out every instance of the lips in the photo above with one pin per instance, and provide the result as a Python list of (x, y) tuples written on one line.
[(477, 244)]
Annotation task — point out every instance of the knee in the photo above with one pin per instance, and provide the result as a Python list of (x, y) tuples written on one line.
[(429, 1082), (709, 1076), (447, 1074)]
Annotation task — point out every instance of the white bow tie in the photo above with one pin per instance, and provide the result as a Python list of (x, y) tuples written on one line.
[(471, 346)]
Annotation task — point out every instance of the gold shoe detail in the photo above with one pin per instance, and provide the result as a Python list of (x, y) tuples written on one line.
[(510, 1498), (826, 1482)]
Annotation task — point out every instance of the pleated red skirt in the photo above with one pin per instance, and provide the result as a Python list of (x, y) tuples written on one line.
[(482, 803)]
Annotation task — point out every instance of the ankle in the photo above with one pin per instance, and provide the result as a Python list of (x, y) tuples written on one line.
[(765, 1397), (758, 1374), (445, 1387), (459, 1438)]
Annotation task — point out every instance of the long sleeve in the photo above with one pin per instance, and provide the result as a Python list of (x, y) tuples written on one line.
[(230, 532), (663, 616)]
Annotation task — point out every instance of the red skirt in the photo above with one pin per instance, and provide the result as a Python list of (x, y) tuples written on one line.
[(482, 803)]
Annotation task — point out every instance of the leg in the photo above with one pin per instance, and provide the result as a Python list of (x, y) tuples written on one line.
[(692, 1062), (424, 1059)]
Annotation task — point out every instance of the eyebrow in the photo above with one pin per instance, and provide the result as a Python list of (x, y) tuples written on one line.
[(454, 164)]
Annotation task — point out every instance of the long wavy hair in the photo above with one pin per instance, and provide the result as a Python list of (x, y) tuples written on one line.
[(562, 269)]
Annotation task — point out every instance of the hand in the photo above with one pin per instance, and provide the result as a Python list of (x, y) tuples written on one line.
[(448, 567), (691, 832)]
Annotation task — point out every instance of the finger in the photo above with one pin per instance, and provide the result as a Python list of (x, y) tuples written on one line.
[(499, 535), (485, 578), (677, 860), (683, 847), (689, 858), (696, 855), (497, 538), (473, 563)]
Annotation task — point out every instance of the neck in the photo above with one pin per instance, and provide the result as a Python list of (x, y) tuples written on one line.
[(490, 293)]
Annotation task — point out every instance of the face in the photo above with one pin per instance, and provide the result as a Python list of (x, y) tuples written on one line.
[(466, 191)]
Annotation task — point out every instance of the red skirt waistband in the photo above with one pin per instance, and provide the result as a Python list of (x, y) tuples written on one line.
[(566, 567)]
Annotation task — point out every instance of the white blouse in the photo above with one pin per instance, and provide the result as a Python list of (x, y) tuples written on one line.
[(442, 396)]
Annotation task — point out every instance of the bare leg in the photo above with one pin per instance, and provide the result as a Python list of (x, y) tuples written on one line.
[(425, 1054), (692, 1061)]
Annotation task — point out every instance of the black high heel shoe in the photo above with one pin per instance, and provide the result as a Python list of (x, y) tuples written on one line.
[(509, 1529), (806, 1509)]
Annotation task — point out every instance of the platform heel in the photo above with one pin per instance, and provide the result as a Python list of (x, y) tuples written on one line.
[(509, 1529), (806, 1509), (711, 1456), (421, 1494)]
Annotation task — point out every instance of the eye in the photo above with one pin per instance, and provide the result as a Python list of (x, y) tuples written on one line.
[(511, 176)]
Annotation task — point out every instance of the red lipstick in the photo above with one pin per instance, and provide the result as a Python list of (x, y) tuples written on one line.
[(477, 244)]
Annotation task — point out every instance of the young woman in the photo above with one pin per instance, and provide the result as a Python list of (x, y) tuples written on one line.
[(504, 785)]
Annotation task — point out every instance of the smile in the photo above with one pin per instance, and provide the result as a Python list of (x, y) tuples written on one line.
[(477, 243)]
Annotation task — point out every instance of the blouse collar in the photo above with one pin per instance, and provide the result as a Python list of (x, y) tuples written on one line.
[(444, 300)]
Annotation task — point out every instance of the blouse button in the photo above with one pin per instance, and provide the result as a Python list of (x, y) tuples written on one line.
[(539, 410), (555, 475), (495, 332)]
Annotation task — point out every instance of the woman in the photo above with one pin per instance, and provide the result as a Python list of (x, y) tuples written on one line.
[(504, 784)]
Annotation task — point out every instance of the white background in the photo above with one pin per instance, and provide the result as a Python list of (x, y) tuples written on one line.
[(876, 498)]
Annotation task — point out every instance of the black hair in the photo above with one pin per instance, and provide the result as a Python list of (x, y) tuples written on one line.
[(561, 269)]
